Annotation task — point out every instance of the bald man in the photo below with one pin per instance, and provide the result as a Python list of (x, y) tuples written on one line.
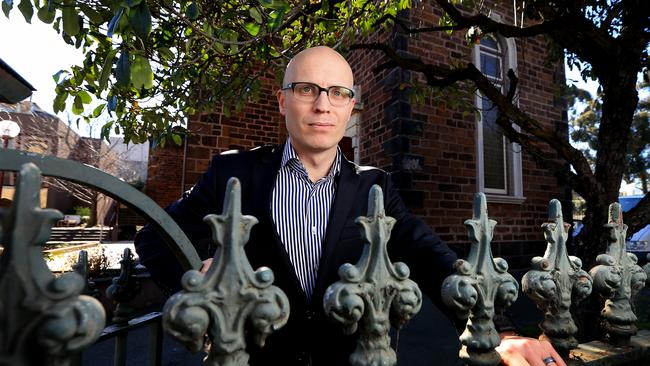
[(306, 196)]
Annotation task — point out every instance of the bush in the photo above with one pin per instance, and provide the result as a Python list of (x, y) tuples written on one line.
[(81, 210)]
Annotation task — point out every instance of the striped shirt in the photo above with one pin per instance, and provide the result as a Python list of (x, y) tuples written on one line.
[(300, 210)]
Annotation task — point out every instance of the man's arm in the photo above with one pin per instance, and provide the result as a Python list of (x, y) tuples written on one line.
[(188, 212)]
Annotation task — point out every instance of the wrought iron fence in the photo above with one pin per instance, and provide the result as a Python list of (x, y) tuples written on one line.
[(56, 316)]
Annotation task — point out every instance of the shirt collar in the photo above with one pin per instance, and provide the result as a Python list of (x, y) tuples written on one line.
[(291, 159)]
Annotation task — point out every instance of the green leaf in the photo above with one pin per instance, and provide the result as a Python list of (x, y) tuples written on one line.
[(112, 25), (6, 7), (255, 14), (123, 69), (70, 20), (141, 73), (106, 69), (177, 139), (77, 106), (192, 11), (85, 97), (165, 53), (276, 18), (27, 10), (94, 16), (252, 28), (112, 103), (140, 20), (45, 15), (98, 110)]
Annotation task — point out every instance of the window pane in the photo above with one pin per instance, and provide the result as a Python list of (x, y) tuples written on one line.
[(490, 65), (493, 148)]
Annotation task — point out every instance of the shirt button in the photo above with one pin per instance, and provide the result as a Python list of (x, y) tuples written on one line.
[(309, 315)]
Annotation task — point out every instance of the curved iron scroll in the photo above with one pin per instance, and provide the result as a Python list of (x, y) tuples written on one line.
[(115, 188)]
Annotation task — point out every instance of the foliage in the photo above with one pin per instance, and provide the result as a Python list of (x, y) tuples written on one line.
[(153, 63), (586, 112), (81, 210)]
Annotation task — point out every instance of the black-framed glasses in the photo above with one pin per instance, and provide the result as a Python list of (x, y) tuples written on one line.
[(339, 96)]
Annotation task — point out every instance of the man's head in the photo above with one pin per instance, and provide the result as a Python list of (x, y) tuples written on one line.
[(316, 126)]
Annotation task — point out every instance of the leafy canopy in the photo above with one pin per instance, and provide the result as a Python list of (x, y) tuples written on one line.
[(152, 64)]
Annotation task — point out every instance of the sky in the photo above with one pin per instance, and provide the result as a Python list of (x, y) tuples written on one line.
[(36, 51)]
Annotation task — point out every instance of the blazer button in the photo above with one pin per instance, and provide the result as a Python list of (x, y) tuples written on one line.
[(309, 315)]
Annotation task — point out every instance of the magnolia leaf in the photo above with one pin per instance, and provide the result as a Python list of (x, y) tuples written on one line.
[(77, 106), (177, 139), (98, 110), (112, 103), (255, 14), (6, 7), (165, 53), (252, 28), (46, 15), (192, 11), (27, 10), (112, 25), (85, 97), (141, 73), (140, 20), (106, 69), (70, 20), (123, 69), (94, 16)]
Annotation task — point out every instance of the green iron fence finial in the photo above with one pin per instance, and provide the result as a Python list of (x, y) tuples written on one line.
[(230, 295), (618, 278), (374, 293), (124, 289), (555, 281), (480, 284), (45, 319)]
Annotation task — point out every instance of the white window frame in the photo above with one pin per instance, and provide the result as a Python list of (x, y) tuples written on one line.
[(513, 192)]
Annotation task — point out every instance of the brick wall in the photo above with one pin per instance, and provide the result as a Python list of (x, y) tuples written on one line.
[(431, 150), (259, 123)]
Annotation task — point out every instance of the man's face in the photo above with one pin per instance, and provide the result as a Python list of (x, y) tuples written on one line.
[(318, 126)]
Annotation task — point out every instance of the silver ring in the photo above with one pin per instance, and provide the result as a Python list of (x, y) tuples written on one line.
[(548, 360)]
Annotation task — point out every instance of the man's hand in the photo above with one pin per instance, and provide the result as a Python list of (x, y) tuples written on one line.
[(206, 265), (523, 351)]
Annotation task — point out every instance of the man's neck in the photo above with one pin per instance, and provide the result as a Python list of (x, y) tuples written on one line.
[(317, 164)]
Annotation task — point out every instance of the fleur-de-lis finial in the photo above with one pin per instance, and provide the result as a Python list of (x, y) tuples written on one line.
[(555, 281), (374, 293), (481, 282), (218, 304), (618, 278), (41, 307)]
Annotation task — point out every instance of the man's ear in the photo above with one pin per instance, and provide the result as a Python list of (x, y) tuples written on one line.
[(281, 102)]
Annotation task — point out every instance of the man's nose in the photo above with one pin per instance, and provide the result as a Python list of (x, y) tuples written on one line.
[(322, 103)]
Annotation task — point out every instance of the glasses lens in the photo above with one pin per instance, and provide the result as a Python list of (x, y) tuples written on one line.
[(339, 95), (305, 91)]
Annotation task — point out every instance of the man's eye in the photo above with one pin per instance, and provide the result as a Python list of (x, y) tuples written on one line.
[(306, 89), (337, 92)]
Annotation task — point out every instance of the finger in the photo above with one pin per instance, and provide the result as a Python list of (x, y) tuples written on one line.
[(551, 351), (513, 359), (206, 265)]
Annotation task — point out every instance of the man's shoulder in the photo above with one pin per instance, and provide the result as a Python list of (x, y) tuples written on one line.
[(243, 154), (363, 169)]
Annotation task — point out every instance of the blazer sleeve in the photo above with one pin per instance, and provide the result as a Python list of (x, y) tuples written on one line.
[(416, 244), (188, 212)]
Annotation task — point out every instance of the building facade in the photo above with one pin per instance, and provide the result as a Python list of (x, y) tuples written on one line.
[(439, 155)]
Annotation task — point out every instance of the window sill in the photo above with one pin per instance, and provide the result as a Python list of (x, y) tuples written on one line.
[(497, 198)]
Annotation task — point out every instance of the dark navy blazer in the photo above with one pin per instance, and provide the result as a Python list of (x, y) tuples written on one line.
[(308, 338)]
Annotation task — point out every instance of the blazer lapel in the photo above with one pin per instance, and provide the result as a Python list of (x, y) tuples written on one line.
[(345, 197)]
